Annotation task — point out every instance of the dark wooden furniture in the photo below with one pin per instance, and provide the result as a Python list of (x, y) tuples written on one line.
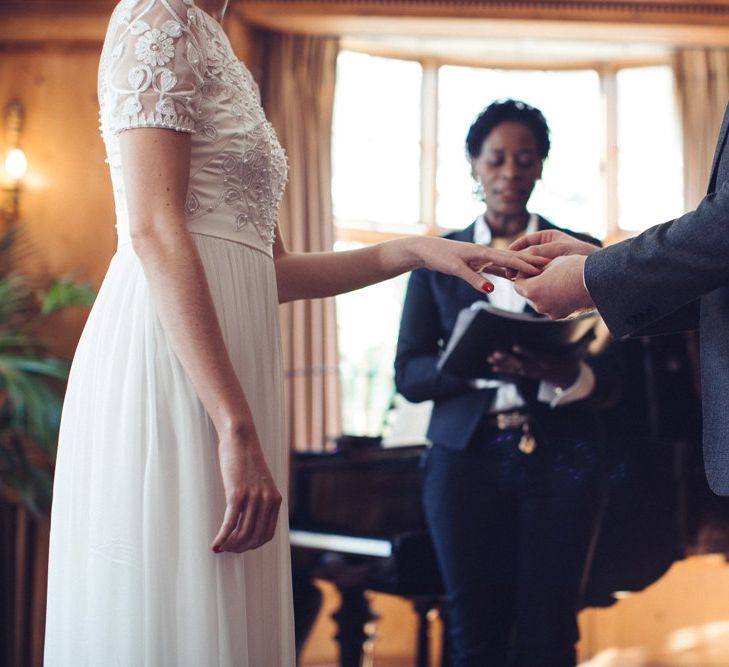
[(357, 522)]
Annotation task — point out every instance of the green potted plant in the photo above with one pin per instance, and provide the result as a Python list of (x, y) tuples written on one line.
[(31, 378)]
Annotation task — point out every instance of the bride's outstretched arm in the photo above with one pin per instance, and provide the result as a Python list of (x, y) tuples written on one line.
[(321, 274), (156, 165)]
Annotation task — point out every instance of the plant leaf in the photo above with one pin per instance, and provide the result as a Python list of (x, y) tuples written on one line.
[(63, 293)]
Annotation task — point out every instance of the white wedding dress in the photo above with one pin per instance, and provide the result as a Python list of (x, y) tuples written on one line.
[(138, 492)]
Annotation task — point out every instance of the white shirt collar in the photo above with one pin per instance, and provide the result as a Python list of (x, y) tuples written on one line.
[(482, 232)]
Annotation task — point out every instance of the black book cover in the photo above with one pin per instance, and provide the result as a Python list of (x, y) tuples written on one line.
[(483, 329)]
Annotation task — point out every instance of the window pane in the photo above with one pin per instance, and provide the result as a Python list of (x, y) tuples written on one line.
[(650, 158), (376, 141), (367, 324), (569, 193)]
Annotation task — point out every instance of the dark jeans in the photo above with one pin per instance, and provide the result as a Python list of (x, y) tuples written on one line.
[(511, 532)]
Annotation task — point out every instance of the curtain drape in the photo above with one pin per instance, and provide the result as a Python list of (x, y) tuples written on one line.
[(296, 76), (702, 82)]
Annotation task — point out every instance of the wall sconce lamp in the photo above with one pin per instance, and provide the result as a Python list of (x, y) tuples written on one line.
[(16, 164)]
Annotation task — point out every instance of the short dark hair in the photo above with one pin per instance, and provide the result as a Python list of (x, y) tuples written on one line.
[(514, 111)]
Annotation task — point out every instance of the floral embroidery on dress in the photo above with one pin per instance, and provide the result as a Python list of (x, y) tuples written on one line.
[(166, 63), (254, 180), (154, 47)]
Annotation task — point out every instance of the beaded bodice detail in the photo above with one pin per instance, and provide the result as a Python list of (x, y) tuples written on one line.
[(168, 64)]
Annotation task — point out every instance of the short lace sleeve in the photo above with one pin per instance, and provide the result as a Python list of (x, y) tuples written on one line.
[(154, 70)]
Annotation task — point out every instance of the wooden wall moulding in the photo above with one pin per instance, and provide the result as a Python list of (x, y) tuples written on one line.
[(621, 11)]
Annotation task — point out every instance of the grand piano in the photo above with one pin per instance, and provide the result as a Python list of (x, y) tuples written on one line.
[(356, 517), (356, 521)]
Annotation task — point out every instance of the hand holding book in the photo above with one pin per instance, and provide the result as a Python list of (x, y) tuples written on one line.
[(560, 370)]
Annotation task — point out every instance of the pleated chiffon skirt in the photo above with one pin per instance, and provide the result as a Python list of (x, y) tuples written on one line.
[(138, 496)]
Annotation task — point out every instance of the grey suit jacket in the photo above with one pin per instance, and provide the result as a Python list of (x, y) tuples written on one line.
[(673, 277)]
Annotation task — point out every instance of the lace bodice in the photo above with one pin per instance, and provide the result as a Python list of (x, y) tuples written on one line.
[(168, 64)]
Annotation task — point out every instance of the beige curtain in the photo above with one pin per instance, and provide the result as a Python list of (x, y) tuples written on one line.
[(296, 76), (702, 81)]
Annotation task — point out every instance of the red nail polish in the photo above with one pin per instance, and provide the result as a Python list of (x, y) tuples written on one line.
[(217, 550), (487, 287)]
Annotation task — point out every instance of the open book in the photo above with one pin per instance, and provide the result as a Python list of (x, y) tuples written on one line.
[(483, 329)]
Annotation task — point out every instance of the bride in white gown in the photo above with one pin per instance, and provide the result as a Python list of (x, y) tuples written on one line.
[(166, 548)]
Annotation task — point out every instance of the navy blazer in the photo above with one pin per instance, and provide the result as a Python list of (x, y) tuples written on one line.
[(674, 277), (432, 304)]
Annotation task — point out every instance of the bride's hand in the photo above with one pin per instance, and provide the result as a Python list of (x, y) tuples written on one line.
[(252, 499), (468, 261)]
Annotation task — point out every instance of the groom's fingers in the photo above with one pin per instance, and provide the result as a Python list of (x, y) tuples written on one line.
[(528, 240), (539, 291), (520, 285), (551, 250), (560, 290)]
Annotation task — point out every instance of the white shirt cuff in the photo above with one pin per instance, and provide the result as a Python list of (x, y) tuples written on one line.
[(483, 383), (581, 388)]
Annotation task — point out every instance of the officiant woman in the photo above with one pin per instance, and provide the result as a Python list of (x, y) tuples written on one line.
[(512, 483)]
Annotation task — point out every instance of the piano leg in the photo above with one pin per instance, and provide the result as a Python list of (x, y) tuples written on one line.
[(445, 652), (355, 621), (423, 607), (307, 603)]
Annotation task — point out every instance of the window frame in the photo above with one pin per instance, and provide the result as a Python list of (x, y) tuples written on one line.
[(607, 71)]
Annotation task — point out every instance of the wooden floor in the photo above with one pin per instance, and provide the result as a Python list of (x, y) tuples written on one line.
[(712, 654), (682, 620), (705, 646)]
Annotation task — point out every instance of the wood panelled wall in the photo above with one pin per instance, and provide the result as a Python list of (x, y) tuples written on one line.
[(66, 207)]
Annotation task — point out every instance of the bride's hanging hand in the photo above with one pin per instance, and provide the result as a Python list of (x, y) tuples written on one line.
[(468, 261), (252, 498)]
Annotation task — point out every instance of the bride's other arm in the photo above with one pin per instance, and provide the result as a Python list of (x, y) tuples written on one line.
[(156, 166), (321, 274)]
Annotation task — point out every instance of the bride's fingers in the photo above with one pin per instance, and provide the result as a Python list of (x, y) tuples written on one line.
[(272, 523), (492, 270), (473, 278), (256, 522), (265, 526), (499, 265), (505, 260), (242, 539), (230, 522)]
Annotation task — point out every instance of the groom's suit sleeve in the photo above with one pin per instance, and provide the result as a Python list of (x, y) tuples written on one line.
[(652, 283)]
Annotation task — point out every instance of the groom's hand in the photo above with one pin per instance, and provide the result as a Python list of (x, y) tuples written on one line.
[(551, 243), (559, 290)]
